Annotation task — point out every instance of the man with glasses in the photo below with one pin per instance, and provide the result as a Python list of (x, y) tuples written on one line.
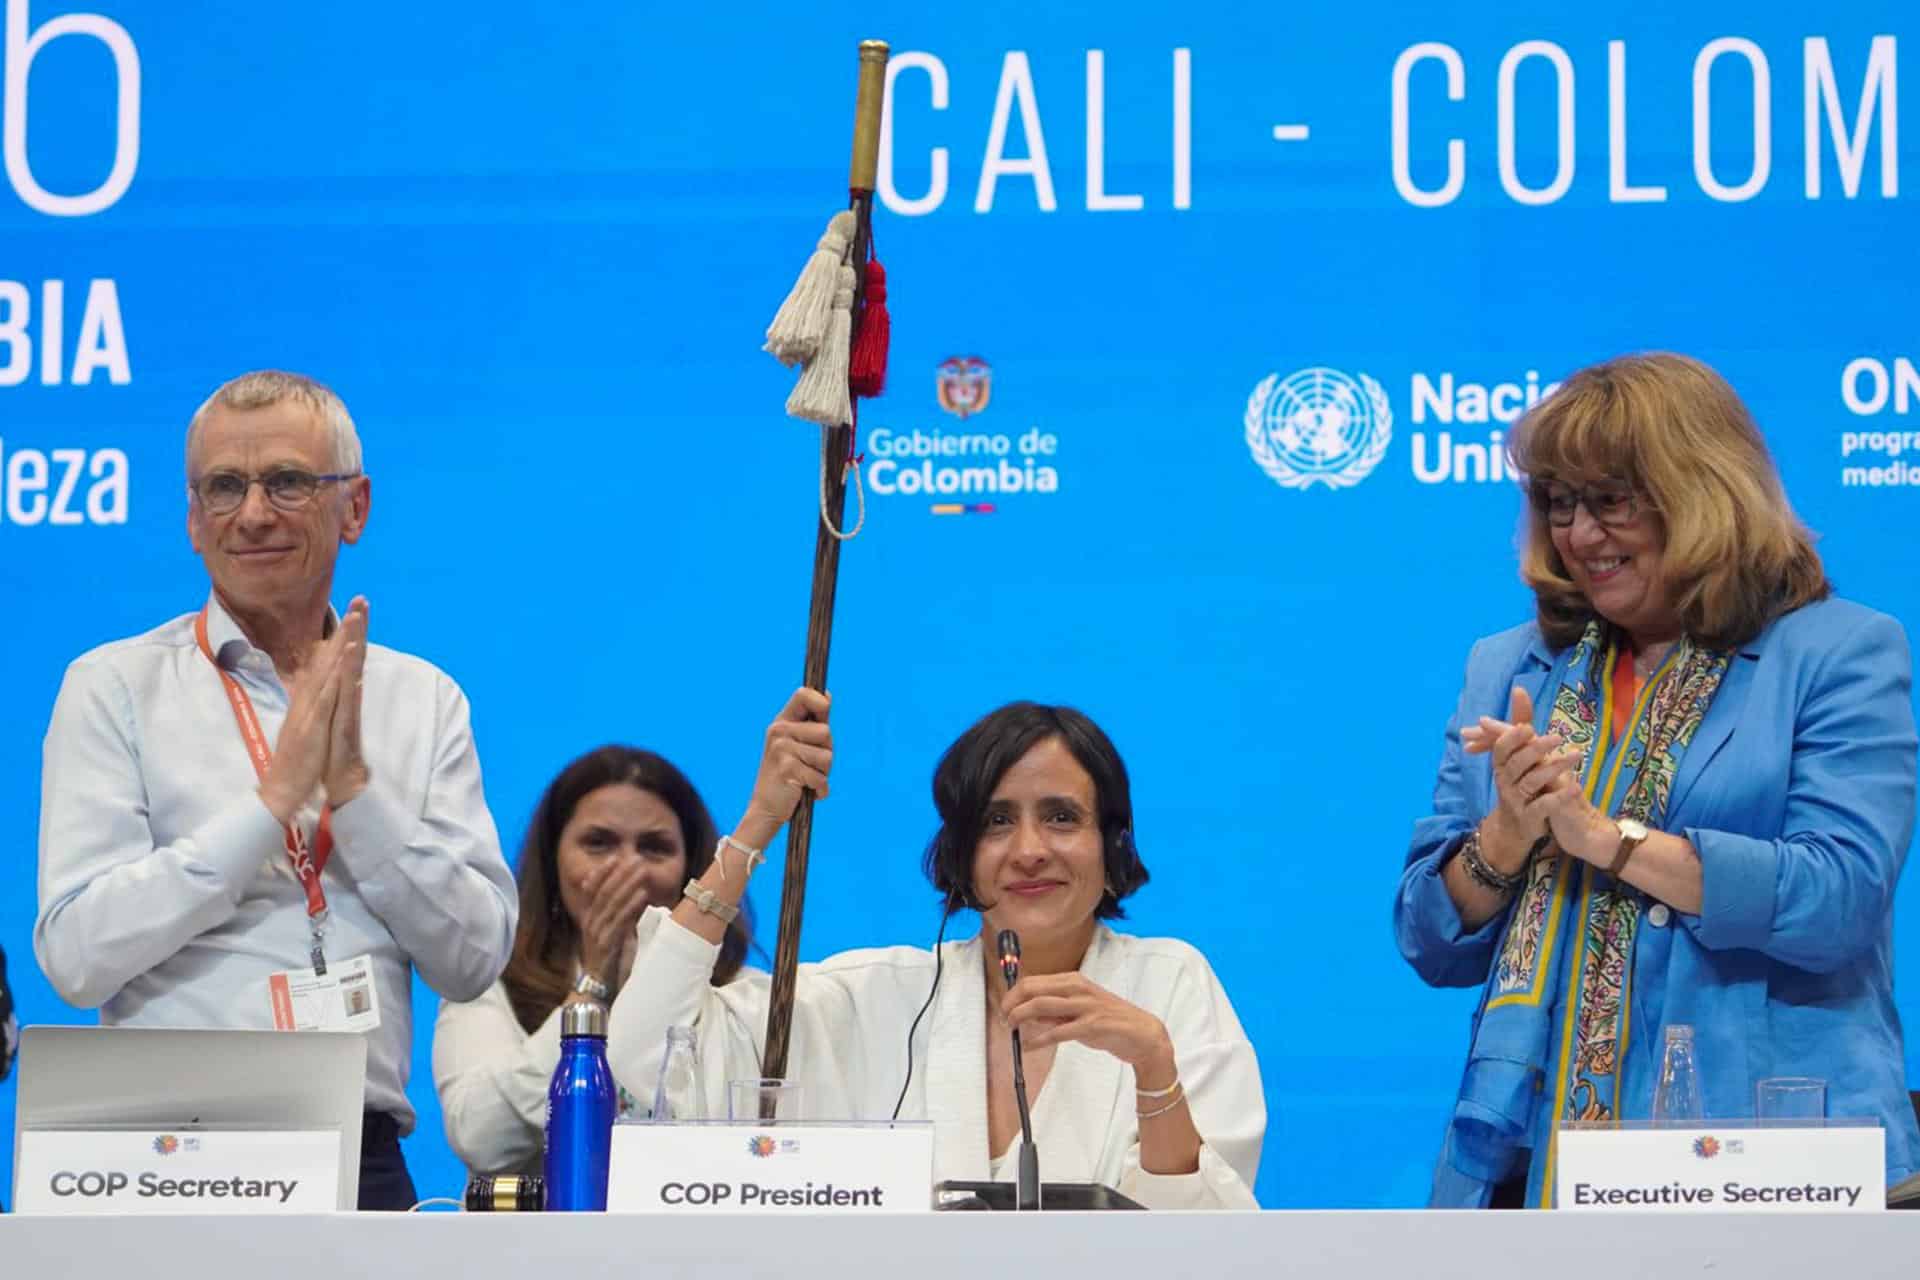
[(250, 817)]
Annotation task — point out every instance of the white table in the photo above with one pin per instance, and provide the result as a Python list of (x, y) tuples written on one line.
[(970, 1246)]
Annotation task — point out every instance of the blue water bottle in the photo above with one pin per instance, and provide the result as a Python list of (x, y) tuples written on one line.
[(580, 1107)]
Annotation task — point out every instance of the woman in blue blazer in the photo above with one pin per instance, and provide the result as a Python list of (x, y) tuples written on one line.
[(1681, 796)]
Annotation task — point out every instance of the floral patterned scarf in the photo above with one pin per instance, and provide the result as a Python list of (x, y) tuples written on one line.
[(1569, 906)]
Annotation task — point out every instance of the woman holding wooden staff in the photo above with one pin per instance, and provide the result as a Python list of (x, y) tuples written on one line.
[(1140, 1074)]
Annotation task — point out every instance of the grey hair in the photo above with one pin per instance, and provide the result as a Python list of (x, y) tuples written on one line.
[(267, 387)]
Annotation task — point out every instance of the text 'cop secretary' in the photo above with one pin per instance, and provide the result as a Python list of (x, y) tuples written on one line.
[(94, 1184)]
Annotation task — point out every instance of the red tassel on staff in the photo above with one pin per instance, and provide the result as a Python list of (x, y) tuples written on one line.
[(867, 371)]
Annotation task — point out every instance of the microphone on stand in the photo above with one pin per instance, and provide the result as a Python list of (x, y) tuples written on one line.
[(1027, 1190)]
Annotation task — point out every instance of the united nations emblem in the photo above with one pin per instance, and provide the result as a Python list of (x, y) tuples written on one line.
[(964, 385), (1318, 426)]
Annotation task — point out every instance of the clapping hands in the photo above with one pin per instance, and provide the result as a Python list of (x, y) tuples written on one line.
[(1536, 778), (320, 742)]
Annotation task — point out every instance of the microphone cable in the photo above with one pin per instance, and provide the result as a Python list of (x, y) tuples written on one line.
[(939, 958)]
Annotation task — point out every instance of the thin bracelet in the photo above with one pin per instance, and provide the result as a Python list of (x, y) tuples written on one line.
[(1157, 1094), (754, 856), (1148, 1115)]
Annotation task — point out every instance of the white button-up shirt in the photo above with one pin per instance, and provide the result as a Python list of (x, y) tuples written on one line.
[(166, 895)]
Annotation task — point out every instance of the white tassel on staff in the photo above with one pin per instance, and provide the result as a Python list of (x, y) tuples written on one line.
[(821, 394), (800, 326)]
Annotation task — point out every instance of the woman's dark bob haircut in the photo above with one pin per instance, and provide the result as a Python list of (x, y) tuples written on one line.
[(964, 782)]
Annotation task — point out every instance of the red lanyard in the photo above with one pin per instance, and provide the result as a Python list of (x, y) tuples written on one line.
[(307, 863)]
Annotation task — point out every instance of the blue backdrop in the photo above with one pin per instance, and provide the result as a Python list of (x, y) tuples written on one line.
[(535, 247)]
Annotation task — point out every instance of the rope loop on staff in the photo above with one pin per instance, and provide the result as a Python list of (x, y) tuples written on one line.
[(859, 493)]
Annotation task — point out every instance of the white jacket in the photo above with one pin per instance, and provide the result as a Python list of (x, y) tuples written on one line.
[(849, 1052), (493, 1078)]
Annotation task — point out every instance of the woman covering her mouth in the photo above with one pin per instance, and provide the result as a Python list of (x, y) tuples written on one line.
[(1138, 1071), (616, 829), (1681, 796)]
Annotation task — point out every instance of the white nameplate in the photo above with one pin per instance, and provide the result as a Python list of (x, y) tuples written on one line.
[(783, 1168), (68, 1171), (1820, 1170)]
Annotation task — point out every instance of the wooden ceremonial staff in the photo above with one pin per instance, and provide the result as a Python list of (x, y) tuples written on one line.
[(837, 446)]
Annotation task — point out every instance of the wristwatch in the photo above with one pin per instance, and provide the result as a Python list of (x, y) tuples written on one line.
[(1633, 833), (588, 985)]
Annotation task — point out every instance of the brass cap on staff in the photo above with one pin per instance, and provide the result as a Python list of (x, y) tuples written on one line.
[(866, 115)]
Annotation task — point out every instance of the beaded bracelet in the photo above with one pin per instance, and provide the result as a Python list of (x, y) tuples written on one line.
[(1482, 871)]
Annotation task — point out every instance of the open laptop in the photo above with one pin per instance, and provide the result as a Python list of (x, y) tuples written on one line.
[(118, 1077)]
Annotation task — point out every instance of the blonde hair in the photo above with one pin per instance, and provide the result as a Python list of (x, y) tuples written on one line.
[(267, 387), (1736, 555)]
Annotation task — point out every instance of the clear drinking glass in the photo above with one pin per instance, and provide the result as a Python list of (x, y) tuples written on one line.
[(1676, 1096), (764, 1101), (677, 1096), (1791, 1099)]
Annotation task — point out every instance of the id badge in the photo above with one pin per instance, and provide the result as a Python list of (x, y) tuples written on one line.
[(346, 998)]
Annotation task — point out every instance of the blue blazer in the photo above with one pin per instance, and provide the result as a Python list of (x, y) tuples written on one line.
[(1798, 794)]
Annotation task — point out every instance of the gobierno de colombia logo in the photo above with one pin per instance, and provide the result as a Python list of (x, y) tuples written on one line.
[(1318, 426), (962, 468)]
